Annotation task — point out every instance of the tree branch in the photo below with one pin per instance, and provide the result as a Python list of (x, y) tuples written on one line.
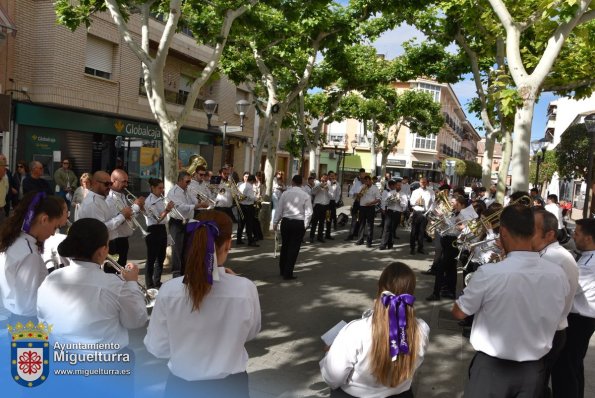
[(569, 86), (112, 6), (533, 18), (168, 33), (588, 16)]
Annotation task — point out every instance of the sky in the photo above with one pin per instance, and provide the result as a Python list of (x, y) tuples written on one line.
[(390, 44)]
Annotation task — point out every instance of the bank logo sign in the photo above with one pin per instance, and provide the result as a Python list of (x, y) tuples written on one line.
[(140, 130), (29, 353)]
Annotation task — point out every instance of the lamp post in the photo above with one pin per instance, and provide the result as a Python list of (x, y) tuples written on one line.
[(590, 126), (537, 146)]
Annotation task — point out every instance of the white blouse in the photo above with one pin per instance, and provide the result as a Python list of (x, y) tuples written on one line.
[(347, 363)]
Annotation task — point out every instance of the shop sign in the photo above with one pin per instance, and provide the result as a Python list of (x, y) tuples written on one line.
[(396, 162), (421, 165), (133, 129)]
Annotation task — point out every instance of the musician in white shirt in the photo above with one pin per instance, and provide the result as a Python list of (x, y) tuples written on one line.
[(200, 188), (185, 205), (156, 218), (320, 193), (95, 206), (201, 322), (294, 213), (355, 188), (568, 374), (421, 200), (22, 269), (334, 191), (393, 204), (369, 197), (246, 190), (224, 201), (553, 207), (518, 304), (83, 303)]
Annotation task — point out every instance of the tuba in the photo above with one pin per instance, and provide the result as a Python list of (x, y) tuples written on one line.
[(194, 162), (439, 213)]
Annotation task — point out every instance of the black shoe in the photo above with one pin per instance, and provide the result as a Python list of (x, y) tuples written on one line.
[(359, 242), (412, 252), (289, 278), (368, 245), (311, 240), (320, 240), (253, 244), (239, 242), (329, 238), (429, 272), (382, 248), (420, 250), (433, 297), (390, 246)]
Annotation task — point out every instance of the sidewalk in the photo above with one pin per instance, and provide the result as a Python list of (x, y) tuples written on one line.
[(336, 281)]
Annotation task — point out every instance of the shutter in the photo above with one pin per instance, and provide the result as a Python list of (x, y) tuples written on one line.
[(78, 147), (99, 54)]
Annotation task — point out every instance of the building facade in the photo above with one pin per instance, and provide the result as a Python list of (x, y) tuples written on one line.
[(80, 95)]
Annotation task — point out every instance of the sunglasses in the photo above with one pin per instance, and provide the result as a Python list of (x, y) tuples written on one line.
[(20, 166), (201, 174), (106, 183), (187, 181)]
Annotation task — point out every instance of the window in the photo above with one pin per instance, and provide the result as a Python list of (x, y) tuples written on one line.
[(431, 89), (100, 57), (184, 88), (426, 143), (336, 138)]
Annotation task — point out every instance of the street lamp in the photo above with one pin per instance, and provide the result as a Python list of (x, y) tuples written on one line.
[(242, 107), (353, 145), (537, 146), (209, 106), (589, 121)]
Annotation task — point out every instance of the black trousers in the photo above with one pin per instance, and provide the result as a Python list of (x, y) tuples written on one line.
[(446, 272), (491, 377), (418, 230), (233, 386), (339, 393), (177, 229), (332, 207), (119, 246), (551, 357), (568, 373), (389, 232), (228, 211), (318, 220), (248, 222), (292, 233), (355, 220), (156, 244), (366, 215)]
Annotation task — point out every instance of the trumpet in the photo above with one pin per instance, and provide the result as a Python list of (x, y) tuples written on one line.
[(174, 210), (133, 222), (150, 294), (202, 197)]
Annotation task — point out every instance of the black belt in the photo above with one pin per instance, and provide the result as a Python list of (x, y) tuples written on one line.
[(175, 221)]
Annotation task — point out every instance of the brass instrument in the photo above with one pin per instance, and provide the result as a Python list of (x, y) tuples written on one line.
[(236, 196), (133, 222), (150, 294), (194, 162), (361, 192), (174, 210), (439, 213), (201, 196)]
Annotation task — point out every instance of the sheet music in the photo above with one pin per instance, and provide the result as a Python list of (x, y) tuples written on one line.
[(331, 334)]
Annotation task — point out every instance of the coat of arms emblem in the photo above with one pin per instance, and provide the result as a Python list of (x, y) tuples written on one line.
[(29, 353)]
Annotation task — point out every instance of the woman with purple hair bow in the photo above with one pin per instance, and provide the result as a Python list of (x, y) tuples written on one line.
[(377, 356)]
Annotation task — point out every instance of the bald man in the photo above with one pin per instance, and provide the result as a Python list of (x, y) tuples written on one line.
[(35, 181)]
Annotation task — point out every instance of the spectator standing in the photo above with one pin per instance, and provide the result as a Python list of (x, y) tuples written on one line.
[(35, 181), (66, 181)]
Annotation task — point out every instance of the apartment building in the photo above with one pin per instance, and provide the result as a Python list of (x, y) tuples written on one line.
[(81, 95), (414, 156)]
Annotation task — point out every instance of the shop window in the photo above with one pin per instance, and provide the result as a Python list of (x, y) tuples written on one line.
[(100, 57)]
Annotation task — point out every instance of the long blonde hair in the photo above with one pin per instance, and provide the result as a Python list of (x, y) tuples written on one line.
[(396, 278)]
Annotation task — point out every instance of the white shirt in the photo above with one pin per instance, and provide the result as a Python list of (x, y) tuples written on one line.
[(117, 200), (334, 191), (321, 194), (347, 363), (154, 206), (556, 211), (224, 195), (562, 257), (184, 202), (294, 204), (95, 206), (584, 300), (208, 343), (427, 198), (393, 200), (86, 305), (518, 304), (371, 195), (355, 187), (247, 190), (278, 188), (21, 272), (405, 188)]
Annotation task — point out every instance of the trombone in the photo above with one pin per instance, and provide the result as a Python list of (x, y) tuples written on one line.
[(174, 210), (133, 222), (150, 294), (202, 197), (236, 196)]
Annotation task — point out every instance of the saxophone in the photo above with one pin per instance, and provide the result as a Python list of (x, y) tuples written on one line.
[(361, 193)]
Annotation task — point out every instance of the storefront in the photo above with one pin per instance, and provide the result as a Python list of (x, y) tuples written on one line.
[(99, 142)]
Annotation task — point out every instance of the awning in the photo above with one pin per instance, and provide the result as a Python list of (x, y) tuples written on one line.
[(358, 161)]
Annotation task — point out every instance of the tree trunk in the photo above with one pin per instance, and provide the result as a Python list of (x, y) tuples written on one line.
[(487, 160), (313, 162), (383, 163), (170, 153), (522, 140), (503, 172)]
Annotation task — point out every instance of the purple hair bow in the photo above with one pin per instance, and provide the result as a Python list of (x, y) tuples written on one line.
[(30, 214), (212, 234), (397, 322)]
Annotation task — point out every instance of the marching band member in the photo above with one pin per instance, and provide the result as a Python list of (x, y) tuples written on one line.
[(247, 205), (406, 190), (518, 304), (83, 303), (192, 320), (356, 187), (156, 217), (545, 242), (568, 374), (185, 205), (421, 200), (394, 202), (22, 269), (224, 201), (199, 187), (369, 197), (295, 211), (334, 191), (307, 188), (363, 360), (321, 201), (116, 199)]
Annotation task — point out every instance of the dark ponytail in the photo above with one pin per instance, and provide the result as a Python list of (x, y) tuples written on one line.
[(85, 236)]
